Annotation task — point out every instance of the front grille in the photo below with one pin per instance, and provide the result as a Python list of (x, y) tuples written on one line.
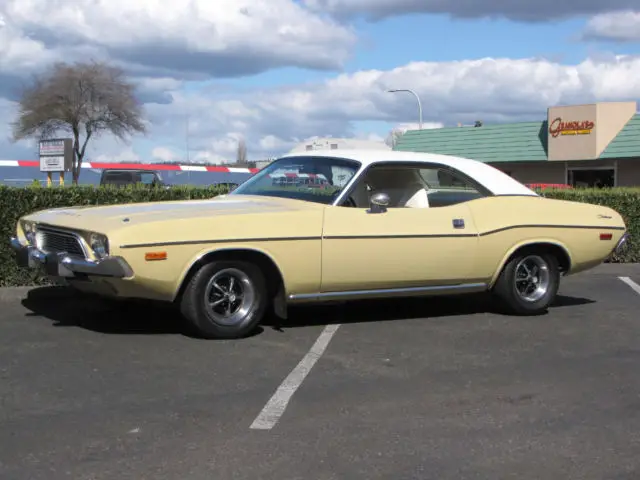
[(49, 240)]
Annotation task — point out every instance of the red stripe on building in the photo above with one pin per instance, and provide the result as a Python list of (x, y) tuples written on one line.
[(133, 166), (143, 166)]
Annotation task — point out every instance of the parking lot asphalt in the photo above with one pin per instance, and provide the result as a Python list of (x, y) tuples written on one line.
[(404, 389)]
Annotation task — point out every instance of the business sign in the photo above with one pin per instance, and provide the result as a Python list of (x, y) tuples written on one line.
[(557, 127), (56, 155)]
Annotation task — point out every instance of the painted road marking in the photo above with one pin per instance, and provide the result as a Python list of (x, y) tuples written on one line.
[(634, 286), (276, 405)]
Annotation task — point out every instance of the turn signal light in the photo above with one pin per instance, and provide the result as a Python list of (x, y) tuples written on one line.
[(153, 256), (606, 236)]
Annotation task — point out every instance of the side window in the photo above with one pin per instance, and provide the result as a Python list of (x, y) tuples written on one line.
[(413, 186), (441, 179), (147, 178), (447, 187)]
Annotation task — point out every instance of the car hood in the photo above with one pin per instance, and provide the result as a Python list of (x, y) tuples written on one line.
[(107, 217)]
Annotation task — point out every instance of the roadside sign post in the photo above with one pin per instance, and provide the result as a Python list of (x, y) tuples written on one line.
[(56, 155)]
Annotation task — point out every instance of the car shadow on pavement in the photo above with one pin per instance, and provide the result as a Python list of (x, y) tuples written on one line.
[(67, 308), (367, 311)]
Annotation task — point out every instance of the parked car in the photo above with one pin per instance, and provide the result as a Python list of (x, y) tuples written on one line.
[(124, 177), (386, 224)]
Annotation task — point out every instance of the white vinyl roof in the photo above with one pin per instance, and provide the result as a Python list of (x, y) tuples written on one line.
[(490, 177)]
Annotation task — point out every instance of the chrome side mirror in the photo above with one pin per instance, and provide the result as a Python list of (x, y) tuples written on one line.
[(379, 203)]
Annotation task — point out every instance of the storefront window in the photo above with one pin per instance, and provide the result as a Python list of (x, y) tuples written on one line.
[(596, 178)]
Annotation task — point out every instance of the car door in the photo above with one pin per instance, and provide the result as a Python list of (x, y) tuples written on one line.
[(400, 248), (427, 236)]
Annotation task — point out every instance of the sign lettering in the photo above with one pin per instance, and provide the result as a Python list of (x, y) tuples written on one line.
[(56, 155), (558, 127)]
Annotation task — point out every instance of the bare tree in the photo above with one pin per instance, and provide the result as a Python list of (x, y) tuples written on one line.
[(241, 156), (394, 135), (84, 99)]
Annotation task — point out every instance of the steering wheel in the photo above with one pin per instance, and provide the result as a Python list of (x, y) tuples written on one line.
[(347, 202)]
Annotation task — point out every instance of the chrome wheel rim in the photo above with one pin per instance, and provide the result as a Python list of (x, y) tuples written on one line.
[(532, 278), (229, 296)]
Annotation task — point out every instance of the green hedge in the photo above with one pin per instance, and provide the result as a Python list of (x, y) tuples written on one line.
[(16, 202)]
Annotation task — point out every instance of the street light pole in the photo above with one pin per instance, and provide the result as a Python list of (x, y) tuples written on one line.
[(417, 98)]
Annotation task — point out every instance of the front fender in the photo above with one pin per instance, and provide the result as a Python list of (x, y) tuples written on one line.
[(201, 254)]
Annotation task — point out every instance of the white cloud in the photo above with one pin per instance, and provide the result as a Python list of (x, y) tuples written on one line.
[(496, 89), (539, 10), (271, 143), (623, 26), (165, 154), (210, 157), (491, 90), (184, 38), (8, 149), (123, 155), (403, 127), (161, 45), (273, 120)]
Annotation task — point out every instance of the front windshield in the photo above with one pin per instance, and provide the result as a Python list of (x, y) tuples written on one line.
[(314, 179)]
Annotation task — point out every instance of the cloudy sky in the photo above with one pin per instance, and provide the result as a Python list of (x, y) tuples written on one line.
[(279, 71)]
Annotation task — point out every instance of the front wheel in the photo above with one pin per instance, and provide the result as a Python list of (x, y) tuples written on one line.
[(225, 299), (528, 283)]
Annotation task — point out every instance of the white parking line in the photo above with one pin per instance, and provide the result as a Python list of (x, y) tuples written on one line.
[(275, 407), (634, 286)]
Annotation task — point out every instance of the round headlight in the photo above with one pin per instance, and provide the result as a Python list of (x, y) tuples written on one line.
[(29, 232), (99, 245)]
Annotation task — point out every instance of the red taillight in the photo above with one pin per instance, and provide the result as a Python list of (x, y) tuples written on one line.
[(606, 236)]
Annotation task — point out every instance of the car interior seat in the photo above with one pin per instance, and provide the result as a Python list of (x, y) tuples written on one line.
[(415, 197), (360, 194), (405, 187)]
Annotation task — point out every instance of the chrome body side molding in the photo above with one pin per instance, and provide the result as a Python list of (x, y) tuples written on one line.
[(387, 292)]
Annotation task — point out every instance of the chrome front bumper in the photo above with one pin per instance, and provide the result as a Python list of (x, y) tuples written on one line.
[(62, 265)]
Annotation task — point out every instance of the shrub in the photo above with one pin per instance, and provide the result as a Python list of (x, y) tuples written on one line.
[(16, 202)]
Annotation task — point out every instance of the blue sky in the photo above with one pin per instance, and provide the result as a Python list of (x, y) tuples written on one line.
[(419, 37), (321, 67), (401, 40)]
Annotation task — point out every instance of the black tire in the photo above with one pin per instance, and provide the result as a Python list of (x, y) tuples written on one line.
[(512, 300), (207, 323)]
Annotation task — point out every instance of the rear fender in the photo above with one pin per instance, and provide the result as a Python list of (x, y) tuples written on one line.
[(528, 243)]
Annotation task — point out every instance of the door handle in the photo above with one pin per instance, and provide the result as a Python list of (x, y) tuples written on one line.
[(458, 223)]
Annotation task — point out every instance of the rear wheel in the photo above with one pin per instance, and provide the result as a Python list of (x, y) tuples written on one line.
[(225, 299), (529, 282)]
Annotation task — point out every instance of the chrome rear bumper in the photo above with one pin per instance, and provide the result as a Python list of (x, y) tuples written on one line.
[(622, 244), (62, 265)]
